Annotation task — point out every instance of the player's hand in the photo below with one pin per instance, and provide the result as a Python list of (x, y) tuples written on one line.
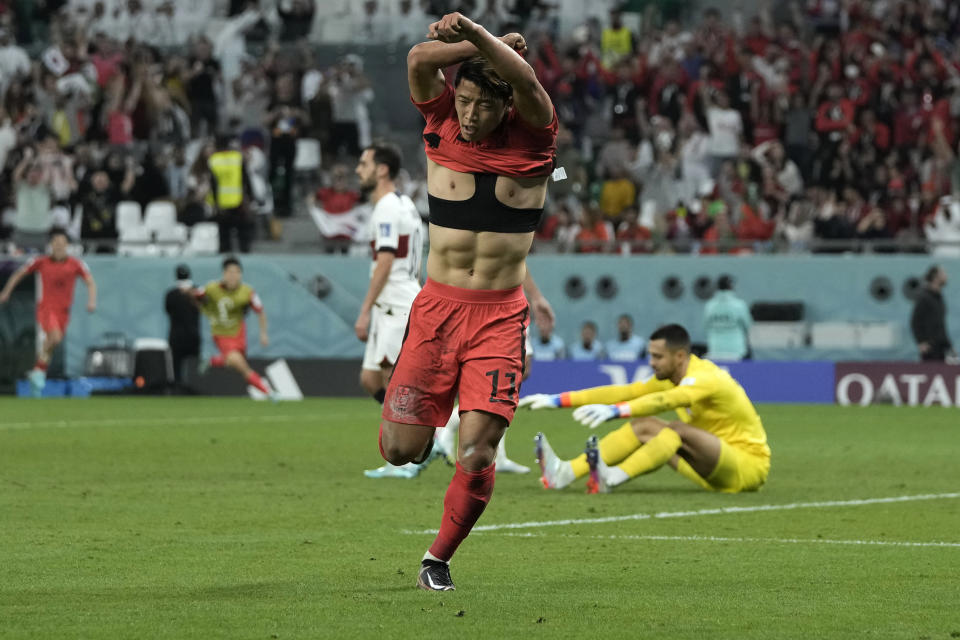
[(4, 297), (453, 27), (91, 306), (540, 401), (515, 41), (543, 315), (264, 339), (593, 415), (362, 326)]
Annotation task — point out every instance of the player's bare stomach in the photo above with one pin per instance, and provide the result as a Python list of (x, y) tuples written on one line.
[(480, 259)]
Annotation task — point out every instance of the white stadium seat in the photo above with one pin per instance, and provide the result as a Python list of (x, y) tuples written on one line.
[(128, 216), (160, 215), (172, 240), (204, 239)]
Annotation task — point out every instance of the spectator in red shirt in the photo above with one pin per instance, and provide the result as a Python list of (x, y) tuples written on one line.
[(337, 219), (58, 275), (835, 115), (596, 234), (632, 236)]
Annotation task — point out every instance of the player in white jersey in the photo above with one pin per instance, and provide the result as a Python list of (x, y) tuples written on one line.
[(397, 248)]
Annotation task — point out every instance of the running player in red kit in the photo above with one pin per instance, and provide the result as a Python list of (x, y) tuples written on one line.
[(490, 145), (58, 276)]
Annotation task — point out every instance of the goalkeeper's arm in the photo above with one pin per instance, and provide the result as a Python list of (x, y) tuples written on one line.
[(607, 394)]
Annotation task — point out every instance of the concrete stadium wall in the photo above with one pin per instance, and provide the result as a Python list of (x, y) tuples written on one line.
[(305, 325)]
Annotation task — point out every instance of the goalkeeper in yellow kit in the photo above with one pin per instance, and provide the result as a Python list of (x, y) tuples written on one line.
[(718, 442)]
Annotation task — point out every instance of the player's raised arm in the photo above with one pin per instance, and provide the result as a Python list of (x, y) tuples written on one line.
[(425, 64), (606, 395), (529, 97), (426, 61)]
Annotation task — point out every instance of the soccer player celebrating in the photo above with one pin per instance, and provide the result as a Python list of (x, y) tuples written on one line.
[(394, 279), (719, 441), (58, 276), (490, 146), (225, 303)]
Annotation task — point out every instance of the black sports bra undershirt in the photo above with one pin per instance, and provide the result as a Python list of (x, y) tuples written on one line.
[(482, 211)]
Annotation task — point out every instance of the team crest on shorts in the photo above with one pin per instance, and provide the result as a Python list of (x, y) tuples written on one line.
[(404, 399)]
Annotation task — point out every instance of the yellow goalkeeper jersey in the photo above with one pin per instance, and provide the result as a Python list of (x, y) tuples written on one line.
[(707, 398)]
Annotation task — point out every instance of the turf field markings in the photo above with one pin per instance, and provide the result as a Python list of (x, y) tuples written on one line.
[(146, 422), (705, 512), (878, 543)]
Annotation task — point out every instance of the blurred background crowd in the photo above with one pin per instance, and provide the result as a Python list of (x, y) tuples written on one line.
[(804, 125)]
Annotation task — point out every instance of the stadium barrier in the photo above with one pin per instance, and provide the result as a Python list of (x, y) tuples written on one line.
[(794, 382)]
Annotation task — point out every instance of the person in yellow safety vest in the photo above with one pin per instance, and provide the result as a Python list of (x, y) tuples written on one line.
[(231, 196), (616, 41)]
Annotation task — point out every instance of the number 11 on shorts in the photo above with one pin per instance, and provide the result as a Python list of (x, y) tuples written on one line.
[(494, 376)]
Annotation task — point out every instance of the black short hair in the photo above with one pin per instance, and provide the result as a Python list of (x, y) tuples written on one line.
[(480, 72), (387, 154), (725, 282), (229, 260), (674, 335), (591, 324), (627, 317), (58, 231), (931, 273)]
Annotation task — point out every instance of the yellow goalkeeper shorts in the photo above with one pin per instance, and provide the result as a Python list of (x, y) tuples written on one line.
[(737, 470)]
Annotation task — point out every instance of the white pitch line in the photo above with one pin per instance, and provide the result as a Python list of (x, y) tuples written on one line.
[(141, 422), (704, 512), (877, 543)]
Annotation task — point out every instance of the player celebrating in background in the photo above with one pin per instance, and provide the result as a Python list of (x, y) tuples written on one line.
[(719, 441), (490, 145), (58, 276), (226, 303), (394, 279)]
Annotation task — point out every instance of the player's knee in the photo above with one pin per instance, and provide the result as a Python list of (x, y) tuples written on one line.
[(234, 359), (647, 427), (370, 381), (55, 337), (475, 455), (394, 449)]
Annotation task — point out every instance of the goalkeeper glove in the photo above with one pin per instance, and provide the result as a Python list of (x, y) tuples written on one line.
[(541, 401), (593, 415)]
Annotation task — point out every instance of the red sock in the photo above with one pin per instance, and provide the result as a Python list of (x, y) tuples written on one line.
[(257, 382), (467, 497), (380, 443), (41, 365), (217, 361)]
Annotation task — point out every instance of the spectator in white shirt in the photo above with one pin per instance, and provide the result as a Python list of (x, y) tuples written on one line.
[(726, 127)]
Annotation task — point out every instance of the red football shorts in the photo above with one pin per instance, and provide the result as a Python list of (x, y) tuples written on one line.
[(226, 344), (51, 319), (459, 342)]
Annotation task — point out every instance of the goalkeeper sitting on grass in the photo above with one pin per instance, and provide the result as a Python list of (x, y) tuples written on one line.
[(718, 442)]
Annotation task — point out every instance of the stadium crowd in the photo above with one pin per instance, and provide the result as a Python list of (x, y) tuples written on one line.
[(811, 125)]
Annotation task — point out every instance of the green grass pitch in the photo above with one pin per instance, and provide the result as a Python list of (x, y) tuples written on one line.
[(225, 518)]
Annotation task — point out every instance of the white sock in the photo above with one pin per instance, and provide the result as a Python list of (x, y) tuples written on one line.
[(447, 436), (612, 476), (430, 556)]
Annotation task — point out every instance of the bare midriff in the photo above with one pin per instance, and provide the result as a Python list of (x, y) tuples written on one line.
[(480, 259)]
